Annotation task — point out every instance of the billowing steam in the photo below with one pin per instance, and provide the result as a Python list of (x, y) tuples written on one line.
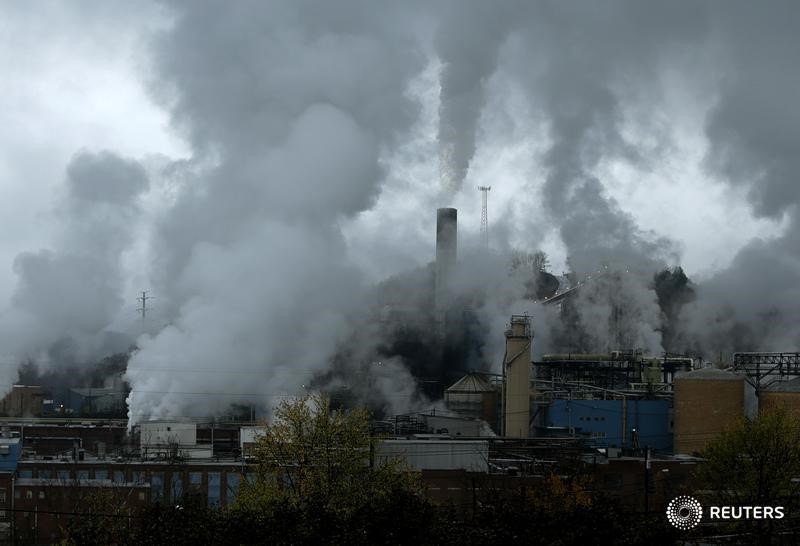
[(468, 39), (251, 255), (68, 296), (305, 118)]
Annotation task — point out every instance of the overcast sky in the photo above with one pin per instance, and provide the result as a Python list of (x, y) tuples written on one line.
[(75, 77), (606, 131)]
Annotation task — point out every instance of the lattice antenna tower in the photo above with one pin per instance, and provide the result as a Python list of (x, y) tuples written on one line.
[(143, 299), (484, 216)]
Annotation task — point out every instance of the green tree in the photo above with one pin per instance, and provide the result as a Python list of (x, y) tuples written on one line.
[(319, 464), (101, 517), (755, 463), (673, 290)]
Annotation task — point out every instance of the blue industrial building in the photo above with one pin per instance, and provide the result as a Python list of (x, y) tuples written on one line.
[(10, 453), (629, 423)]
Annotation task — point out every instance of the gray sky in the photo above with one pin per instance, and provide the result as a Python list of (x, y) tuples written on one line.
[(286, 136)]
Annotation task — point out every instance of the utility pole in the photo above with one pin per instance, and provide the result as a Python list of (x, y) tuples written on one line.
[(484, 216), (143, 300), (647, 480)]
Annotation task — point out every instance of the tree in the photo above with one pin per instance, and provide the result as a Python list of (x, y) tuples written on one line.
[(532, 267), (100, 517), (755, 463), (673, 290), (319, 465), (531, 262)]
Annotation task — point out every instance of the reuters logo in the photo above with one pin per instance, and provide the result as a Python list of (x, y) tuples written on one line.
[(684, 512)]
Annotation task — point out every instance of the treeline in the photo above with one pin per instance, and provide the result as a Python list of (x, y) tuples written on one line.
[(402, 517)]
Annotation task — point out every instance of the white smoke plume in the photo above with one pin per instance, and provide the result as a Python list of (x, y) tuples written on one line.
[(251, 255), (67, 297), (311, 141)]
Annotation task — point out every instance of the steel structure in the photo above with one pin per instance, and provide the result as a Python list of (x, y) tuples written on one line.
[(608, 374), (485, 216), (763, 369)]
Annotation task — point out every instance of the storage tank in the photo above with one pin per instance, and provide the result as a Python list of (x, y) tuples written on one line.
[(473, 396), (707, 402), (517, 373), (784, 394)]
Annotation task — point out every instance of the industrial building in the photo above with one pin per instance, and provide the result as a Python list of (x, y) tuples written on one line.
[(784, 395), (707, 401), (620, 415), (23, 401), (633, 423)]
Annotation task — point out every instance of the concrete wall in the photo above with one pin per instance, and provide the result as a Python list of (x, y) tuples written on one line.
[(164, 433), (472, 455), (247, 439), (164, 440)]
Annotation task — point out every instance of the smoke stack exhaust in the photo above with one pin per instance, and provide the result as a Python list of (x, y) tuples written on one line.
[(446, 255)]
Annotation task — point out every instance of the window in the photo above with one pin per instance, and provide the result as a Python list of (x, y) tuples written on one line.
[(41, 494), (2, 495), (141, 495), (251, 477), (82, 475), (177, 487), (213, 488), (17, 494), (45, 474), (29, 494), (233, 486), (26, 473), (119, 476), (156, 485), (138, 476), (62, 475), (101, 474), (195, 479)]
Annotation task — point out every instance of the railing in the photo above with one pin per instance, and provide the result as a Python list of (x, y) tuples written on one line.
[(758, 366)]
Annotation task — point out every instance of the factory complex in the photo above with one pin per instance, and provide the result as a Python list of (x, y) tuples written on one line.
[(636, 423)]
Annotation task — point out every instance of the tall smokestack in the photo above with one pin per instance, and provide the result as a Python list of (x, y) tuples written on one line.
[(517, 374), (446, 255)]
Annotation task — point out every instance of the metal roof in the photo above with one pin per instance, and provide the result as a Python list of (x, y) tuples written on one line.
[(472, 382)]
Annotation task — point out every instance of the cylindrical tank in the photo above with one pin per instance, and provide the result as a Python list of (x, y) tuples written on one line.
[(472, 396), (785, 395), (446, 255), (707, 402), (517, 368)]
